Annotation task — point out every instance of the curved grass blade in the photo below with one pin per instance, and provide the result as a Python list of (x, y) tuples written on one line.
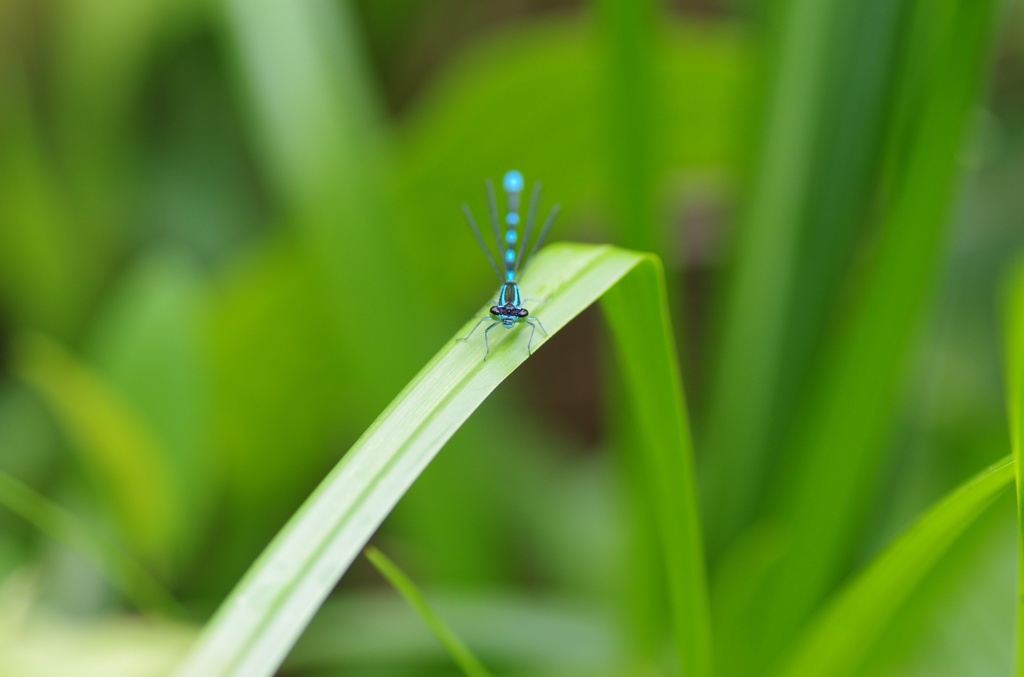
[(838, 444), (746, 369), (515, 630), (461, 654), (263, 617), (628, 32), (117, 445), (1015, 406), (849, 627), (663, 427), (125, 573)]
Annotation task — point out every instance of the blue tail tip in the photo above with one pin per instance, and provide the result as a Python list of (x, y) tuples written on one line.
[(513, 182)]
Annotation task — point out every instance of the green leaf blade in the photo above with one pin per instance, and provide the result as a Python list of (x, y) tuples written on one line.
[(130, 577), (263, 617), (854, 395), (113, 441), (1014, 338), (652, 374), (766, 248), (461, 654), (837, 643)]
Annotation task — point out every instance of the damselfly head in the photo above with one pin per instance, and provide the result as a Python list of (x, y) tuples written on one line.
[(509, 314)]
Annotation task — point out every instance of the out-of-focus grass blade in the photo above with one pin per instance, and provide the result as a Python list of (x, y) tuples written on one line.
[(629, 94), (842, 435), (958, 620), (146, 343), (315, 120), (312, 109), (765, 251), (459, 652), (847, 97), (637, 310), (848, 629), (101, 53), (628, 30), (37, 262), (268, 309), (523, 633), (836, 219), (116, 446), (1014, 346), (260, 621), (299, 304), (128, 575)]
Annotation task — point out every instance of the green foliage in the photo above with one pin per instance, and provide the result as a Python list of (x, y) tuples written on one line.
[(856, 390), (1014, 343), (262, 618), (850, 626), (642, 332), (114, 443), (469, 663), (229, 234), (132, 579)]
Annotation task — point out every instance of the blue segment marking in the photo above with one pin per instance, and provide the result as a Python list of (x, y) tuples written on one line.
[(509, 311), (513, 182)]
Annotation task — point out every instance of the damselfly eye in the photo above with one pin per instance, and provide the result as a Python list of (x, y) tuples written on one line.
[(523, 312), (494, 310)]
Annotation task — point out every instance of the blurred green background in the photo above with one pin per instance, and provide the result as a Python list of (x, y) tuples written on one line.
[(229, 235)]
